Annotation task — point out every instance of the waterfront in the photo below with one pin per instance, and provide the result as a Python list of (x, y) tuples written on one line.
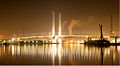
[(58, 54)]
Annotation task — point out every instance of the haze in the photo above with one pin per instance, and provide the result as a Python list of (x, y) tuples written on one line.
[(35, 15)]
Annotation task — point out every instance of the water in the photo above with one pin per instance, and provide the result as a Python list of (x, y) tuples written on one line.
[(58, 54)]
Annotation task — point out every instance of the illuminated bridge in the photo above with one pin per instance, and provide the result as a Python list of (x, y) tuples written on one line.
[(64, 35), (82, 35), (47, 37)]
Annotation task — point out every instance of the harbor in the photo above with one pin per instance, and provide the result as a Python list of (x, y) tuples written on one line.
[(59, 32)]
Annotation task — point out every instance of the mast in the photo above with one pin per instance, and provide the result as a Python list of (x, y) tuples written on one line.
[(101, 37), (111, 25)]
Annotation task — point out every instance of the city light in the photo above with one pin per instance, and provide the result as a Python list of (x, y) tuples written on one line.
[(82, 41), (13, 39), (4, 41), (18, 39), (59, 32), (71, 41), (78, 42)]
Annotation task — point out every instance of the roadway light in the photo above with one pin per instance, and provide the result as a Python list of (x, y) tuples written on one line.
[(9, 41), (13, 39), (113, 41), (87, 36), (78, 41), (18, 39), (24, 41), (32, 41), (36, 41), (4, 41), (82, 41)]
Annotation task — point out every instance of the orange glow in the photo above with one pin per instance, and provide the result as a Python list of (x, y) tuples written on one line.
[(71, 41)]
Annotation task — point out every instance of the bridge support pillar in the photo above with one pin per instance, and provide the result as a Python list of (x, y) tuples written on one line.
[(115, 39), (89, 38)]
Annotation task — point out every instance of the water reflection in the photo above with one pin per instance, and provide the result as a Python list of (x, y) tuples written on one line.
[(58, 54)]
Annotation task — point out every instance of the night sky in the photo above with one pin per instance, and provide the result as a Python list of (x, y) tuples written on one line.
[(34, 16)]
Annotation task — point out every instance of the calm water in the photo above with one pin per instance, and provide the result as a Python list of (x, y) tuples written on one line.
[(58, 54)]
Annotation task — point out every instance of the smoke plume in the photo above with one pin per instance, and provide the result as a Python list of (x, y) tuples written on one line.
[(73, 23), (63, 24)]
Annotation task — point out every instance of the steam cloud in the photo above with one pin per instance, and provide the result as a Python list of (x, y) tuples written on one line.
[(91, 19), (73, 23), (63, 24), (77, 23)]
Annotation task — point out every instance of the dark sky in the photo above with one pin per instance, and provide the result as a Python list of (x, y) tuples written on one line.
[(35, 15)]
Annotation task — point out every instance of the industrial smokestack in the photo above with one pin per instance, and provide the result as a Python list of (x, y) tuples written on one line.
[(59, 24), (53, 24)]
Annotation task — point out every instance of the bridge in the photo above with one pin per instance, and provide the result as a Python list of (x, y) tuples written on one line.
[(63, 36), (60, 33), (47, 37)]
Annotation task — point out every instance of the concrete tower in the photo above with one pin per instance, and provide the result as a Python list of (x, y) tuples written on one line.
[(53, 24), (59, 34)]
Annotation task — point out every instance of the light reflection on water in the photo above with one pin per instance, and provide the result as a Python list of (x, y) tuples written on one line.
[(58, 54)]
